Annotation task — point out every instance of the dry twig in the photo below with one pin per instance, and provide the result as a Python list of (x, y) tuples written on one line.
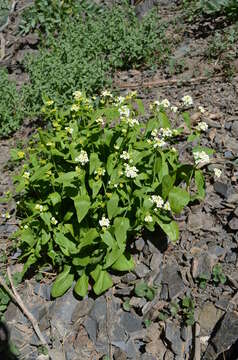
[(2, 47), (17, 299), (149, 84)]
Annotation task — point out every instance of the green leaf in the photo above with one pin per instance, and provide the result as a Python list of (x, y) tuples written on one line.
[(124, 263), (140, 289), (62, 283), (112, 205), (28, 237), (111, 257), (110, 164), (102, 283), (82, 206), (94, 163), (81, 286), (171, 229), (140, 105), (167, 184), (200, 183), (95, 185), (121, 226), (55, 198), (178, 198), (67, 246), (163, 120), (39, 174), (186, 118)]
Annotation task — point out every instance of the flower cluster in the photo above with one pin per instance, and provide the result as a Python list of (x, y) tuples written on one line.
[(217, 172), (131, 171), (159, 203), (39, 207), (201, 157), (82, 158), (187, 100), (104, 222), (202, 126)]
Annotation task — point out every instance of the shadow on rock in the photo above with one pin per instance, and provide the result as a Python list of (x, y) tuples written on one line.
[(5, 347)]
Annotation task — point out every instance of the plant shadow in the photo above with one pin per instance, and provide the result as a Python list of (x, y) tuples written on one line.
[(6, 352)]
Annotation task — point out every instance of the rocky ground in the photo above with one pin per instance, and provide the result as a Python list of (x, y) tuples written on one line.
[(193, 314)]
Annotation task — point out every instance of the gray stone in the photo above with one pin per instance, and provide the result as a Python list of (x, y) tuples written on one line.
[(99, 309), (62, 308), (91, 328), (174, 281), (208, 317), (130, 322), (148, 357), (168, 355), (129, 277), (200, 221), (156, 261), (203, 264), (43, 291), (217, 250), (172, 334), (139, 244), (225, 337), (221, 188), (164, 294), (233, 223), (141, 270), (123, 289), (82, 308), (234, 128), (56, 355), (119, 355), (128, 347)]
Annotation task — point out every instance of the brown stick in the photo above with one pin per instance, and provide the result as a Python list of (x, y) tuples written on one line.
[(17, 299), (165, 82)]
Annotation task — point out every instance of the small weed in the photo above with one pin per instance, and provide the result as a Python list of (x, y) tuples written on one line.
[(188, 307), (217, 275), (143, 290), (11, 106)]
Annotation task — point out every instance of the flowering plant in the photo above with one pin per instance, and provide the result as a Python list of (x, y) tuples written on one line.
[(95, 178)]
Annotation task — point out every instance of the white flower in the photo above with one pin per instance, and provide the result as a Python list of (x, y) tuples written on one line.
[(49, 143), (148, 218), (39, 207), (77, 95), (159, 143), (26, 175), (82, 158), (202, 126), (201, 109), (187, 100), (53, 220), (174, 109), (74, 107), (69, 130), (133, 122), (26, 227), (125, 155), (167, 206), (154, 133), (174, 149), (131, 171), (100, 172), (106, 93), (166, 132), (157, 200), (156, 103), (120, 99), (99, 120), (104, 222), (217, 172), (201, 157), (124, 111), (165, 103)]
